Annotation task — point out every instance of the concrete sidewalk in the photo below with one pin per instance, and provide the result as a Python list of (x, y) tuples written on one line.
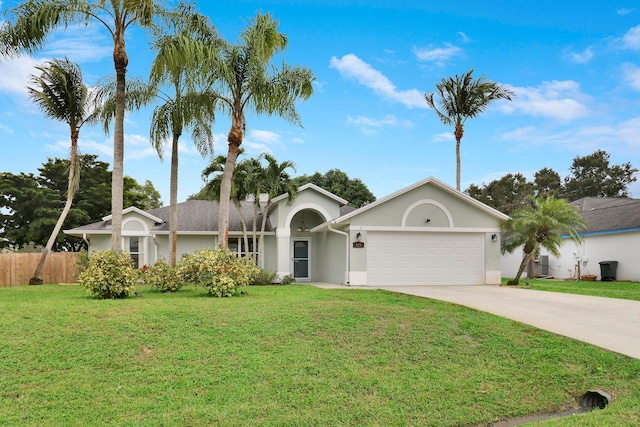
[(613, 324)]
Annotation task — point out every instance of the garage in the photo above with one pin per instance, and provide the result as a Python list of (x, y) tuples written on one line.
[(425, 258)]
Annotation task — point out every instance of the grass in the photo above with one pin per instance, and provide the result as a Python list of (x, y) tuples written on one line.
[(289, 356), (621, 289)]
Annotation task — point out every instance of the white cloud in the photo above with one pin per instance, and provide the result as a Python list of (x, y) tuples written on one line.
[(350, 66), (5, 128), (559, 100), (632, 75), (370, 126), (610, 137), (625, 11), (444, 136), (581, 57), (14, 75), (437, 55), (631, 39), (79, 43), (464, 37)]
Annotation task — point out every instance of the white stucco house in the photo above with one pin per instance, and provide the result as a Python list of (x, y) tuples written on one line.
[(425, 234), (613, 234)]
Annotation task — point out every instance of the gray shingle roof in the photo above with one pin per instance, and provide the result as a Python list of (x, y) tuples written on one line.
[(609, 213), (193, 216)]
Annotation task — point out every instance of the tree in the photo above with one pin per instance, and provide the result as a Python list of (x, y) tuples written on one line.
[(275, 182), (31, 204), (338, 182), (541, 224), (61, 94), (547, 183), (28, 30), (184, 106), (461, 98), (245, 182), (247, 81), (592, 176), (506, 194)]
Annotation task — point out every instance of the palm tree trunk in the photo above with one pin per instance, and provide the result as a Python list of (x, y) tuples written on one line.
[(243, 224), (173, 202), (458, 134), (525, 260), (120, 61), (37, 275), (235, 140), (265, 213)]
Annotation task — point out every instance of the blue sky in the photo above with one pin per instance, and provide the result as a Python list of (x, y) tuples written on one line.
[(575, 70)]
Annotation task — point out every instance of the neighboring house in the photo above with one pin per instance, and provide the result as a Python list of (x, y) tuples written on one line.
[(427, 233), (613, 234)]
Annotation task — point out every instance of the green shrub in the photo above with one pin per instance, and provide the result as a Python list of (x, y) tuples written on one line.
[(162, 277), (265, 277), (109, 275), (83, 260), (221, 272), (287, 280)]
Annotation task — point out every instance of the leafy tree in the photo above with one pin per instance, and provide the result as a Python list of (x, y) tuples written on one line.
[(144, 197), (339, 183), (592, 176), (30, 204), (540, 224), (461, 98), (547, 182), (184, 104), (506, 194), (61, 94), (247, 80), (28, 29)]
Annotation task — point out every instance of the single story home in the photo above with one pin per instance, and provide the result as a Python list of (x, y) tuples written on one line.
[(425, 234), (613, 234)]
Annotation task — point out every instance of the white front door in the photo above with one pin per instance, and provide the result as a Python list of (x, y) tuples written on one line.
[(301, 260)]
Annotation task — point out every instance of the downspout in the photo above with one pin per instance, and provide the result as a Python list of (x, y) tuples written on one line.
[(348, 266), (84, 237)]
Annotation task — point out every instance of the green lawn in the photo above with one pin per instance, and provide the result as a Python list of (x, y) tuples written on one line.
[(624, 290), (289, 356)]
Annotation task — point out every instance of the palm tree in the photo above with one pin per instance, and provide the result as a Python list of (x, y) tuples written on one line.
[(247, 81), (187, 105), (275, 181), (461, 98), (541, 224), (62, 95), (27, 32), (245, 182)]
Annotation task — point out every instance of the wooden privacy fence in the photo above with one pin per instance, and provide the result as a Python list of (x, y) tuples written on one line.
[(17, 268)]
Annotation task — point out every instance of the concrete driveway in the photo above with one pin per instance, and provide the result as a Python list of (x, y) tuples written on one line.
[(613, 324)]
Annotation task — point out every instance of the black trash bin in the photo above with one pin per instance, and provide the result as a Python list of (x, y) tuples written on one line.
[(608, 270)]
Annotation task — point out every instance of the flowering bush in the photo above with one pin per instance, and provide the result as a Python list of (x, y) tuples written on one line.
[(109, 275), (221, 272), (162, 277)]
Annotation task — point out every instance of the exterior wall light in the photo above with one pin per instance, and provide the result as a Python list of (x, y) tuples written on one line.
[(494, 237)]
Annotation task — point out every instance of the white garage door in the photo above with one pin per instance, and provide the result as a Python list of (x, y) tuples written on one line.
[(404, 258)]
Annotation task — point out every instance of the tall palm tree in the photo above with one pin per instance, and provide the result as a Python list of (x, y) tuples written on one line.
[(463, 97), (246, 182), (275, 182), (247, 81), (186, 102), (62, 95), (541, 224), (28, 30)]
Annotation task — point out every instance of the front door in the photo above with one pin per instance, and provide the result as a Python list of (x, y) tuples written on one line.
[(301, 259)]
